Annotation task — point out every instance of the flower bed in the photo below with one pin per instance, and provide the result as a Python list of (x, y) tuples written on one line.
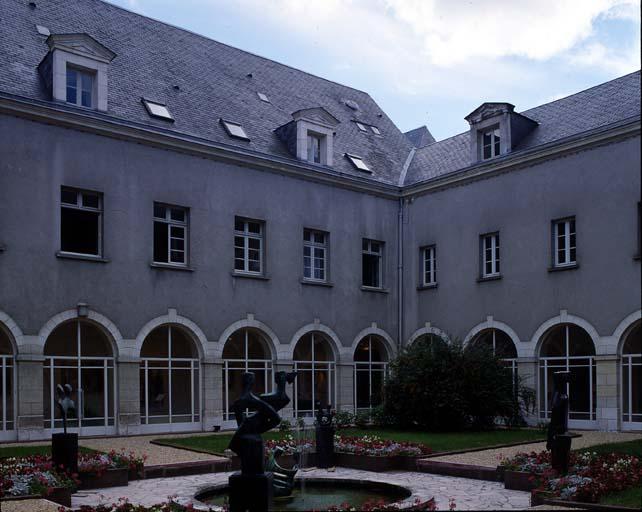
[(591, 475), (376, 447), (100, 470)]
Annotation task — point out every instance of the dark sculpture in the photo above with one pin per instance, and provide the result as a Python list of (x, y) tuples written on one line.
[(559, 438), (325, 437), (64, 447), (282, 478), (251, 489)]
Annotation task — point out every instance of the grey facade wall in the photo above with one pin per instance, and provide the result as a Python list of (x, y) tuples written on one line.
[(36, 285), (599, 186)]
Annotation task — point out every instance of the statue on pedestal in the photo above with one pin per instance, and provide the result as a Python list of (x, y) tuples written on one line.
[(251, 489), (64, 446), (559, 438), (325, 437)]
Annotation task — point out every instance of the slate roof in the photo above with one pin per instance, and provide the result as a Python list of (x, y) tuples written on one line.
[(420, 137), (153, 57), (599, 106), (202, 80)]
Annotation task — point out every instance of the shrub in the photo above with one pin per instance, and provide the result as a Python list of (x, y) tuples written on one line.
[(362, 419), (285, 426), (344, 419), (440, 386), (380, 418)]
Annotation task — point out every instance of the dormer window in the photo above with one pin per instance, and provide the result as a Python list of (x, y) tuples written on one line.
[(314, 148), (234, 130), (491, 143), (75, 70), (158, 110), (309, 136), (80, 87), (358, 162), (361, 126)]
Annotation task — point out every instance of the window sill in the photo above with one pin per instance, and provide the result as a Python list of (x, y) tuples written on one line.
[(167, 266), (81, 257), (325, 284), (564, 267), (489, 278), (373, 289), (431, 286), (247, 275), (636, 257)]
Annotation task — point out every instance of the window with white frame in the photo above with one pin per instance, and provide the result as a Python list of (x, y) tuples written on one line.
[(80, 87), (429, 265), (169, 378), (6, 383), (564, 240), (315, 143), (170, 234), (491, 142), (314, 363), (502, 346), (248, 246), (246, 350), (490, 255), (80, 221), (358, 162), (632, 378), (234, 130), (315, 255), (372, 263), (156, 109), (370, 368)]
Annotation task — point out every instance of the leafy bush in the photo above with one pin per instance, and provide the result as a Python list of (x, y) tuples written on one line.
[(440, 386), (285, 426), (380, 418), (362, 419), (344, 419)]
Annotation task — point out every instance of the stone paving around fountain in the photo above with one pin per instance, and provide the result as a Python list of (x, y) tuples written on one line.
[(467, 494)]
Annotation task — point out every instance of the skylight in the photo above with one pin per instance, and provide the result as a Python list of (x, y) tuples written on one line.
[(361, 126), (234, 130), (375, 130), (157, 110), (358, 162), (263, 97)]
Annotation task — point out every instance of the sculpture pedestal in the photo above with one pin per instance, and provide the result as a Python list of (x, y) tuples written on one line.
[(561, 451), (325, 446), (250, 493), (64, 451)]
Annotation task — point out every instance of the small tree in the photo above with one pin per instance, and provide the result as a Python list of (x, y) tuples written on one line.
[(440, 386)]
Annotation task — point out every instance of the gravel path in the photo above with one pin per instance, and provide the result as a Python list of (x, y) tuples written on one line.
[(29, 506), (491, 458)]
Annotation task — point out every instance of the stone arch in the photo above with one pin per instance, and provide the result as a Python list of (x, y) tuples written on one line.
[(624, 327), (14, 333), (250, 322), (491, 323), (389, 343), (427, 329), (563, 318), (335, 343), (171, 318), (105, 324)]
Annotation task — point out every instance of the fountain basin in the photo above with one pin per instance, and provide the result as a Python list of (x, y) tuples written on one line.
[(320, 494)]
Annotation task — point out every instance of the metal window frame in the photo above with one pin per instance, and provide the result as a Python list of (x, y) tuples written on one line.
[(369, 367), (327, 366)]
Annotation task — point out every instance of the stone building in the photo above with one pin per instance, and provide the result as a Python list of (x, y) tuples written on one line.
[(174, 212)]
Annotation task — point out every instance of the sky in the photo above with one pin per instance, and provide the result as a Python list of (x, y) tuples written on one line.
[(428, 62)]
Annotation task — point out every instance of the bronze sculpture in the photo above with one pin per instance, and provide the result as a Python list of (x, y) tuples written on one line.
[(559, 438), (252, 488), (64, 446), (65, 403)]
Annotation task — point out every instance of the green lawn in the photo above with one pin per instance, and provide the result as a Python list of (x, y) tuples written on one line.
[(629, 498), (25, 451), (627, 448), (439, 442)]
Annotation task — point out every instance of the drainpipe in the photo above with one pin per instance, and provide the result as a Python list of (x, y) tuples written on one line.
[(400, 275)]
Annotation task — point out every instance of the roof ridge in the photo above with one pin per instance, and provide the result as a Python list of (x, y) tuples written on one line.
[(580, 92), (109, 3)]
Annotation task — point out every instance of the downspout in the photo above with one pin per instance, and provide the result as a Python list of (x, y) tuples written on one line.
[(400, 301)]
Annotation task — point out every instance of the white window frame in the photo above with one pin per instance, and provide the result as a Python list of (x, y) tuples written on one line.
[(570, 235), (246, 235), (79, 90), (310, 136), (429, 265), (7, 375), (370, 367), (358, 163), (311, 246), (234, 129), (173, 223), (495, 139), (157, 110), (194, 369), (81, 206), (313, 366), (361, 126), (369, 251), (490, 247), (247, 365)]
